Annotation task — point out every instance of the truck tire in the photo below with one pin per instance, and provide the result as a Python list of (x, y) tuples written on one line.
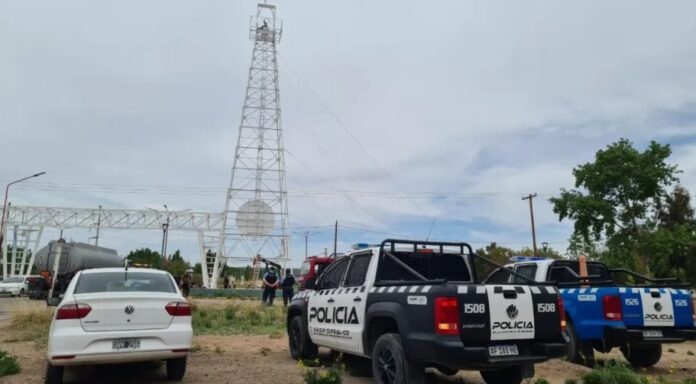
[(390, 364), (358, 366), (510, 375), (642, 355), (301, 346), (176, 368), (578, 352), (54, 374)]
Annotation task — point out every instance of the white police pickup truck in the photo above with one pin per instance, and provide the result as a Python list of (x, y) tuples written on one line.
[(409, 305)]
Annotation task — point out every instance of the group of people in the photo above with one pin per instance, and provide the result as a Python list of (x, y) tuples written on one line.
[(271, 282)]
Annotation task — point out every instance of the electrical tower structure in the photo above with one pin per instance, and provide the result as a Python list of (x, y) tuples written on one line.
[(256, 210)]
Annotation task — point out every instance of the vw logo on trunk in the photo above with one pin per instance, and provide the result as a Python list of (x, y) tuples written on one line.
[(658, 306), (129, 309), (512, 311)]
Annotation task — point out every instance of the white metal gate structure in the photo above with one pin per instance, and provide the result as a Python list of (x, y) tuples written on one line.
[(27, 225), (256, 215)]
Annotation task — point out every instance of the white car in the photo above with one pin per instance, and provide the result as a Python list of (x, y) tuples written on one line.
[(118, 315), (14, 286)]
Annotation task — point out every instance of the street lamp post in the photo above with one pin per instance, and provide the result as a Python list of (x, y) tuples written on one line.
[(165, 233), (4, 218)]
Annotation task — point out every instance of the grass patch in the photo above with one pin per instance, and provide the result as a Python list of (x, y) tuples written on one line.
[(689, 353), (30, 324), (613, 373), (239, 319), (8, 364), (541, 380)]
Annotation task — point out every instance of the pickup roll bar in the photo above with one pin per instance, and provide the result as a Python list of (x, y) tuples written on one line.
[(587, 280), (392, 244), (657, 282)]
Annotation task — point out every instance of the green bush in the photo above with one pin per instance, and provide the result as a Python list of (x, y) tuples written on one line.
[(612, 374), (316, 376), (541, 380), (571, 381), (8, 364)]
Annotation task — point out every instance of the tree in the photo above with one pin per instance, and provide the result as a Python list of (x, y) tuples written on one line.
[(616, 197), (145, 256), (176, 256), (672, 245), (677, 209)]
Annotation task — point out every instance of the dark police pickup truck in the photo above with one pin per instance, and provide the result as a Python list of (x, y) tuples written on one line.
[(409, 305)]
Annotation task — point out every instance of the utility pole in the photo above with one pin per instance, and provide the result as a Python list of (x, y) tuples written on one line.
[(335, 238), (530, 197), (306, 235), (96, 238)]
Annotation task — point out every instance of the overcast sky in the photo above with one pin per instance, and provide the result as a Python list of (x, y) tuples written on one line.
[(464, 106)]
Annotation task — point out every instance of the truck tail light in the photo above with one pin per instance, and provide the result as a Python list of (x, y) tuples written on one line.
[(446, 316), (612, 308), (176, 308), (560, 307), (73, 311)]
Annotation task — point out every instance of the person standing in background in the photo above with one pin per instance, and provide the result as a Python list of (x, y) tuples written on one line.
[(270, 283), (288, 286)]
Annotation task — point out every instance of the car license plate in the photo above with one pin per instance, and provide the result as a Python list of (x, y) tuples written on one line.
[(652, 333), (132, 344), (503, 350)]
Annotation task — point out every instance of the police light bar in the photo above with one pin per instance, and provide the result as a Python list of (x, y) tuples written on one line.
[(359, 246), (517, 259)]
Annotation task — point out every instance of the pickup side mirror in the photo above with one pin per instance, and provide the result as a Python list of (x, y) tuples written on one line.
[(310, 284), (53, 301)]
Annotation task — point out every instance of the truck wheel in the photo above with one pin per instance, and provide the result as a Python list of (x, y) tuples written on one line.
[(176, 368), (301, 346), (642, 356), (571, 337), (358, 366), (578, 352), (510, 375), (390, 365), (21, 292), (54, 374)]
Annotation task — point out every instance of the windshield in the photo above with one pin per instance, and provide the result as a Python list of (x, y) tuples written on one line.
[(304, 269), (14, 279), (124, 282)]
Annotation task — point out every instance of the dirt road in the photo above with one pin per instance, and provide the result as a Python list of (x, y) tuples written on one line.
[(262, 359)]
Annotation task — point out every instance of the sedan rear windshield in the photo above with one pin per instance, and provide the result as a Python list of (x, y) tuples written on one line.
[(124, 282)]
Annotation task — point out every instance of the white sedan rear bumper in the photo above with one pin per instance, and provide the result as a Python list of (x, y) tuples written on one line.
[(73, 346)]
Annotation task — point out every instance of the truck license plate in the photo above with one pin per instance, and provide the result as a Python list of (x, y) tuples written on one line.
[(652, 333), (132, 344), (503, 350)]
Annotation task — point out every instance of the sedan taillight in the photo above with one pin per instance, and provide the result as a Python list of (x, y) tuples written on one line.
[(178, 309), (73, 311)]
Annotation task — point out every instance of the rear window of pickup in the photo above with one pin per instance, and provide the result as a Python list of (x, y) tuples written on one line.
[(560, 274), (433, 266)]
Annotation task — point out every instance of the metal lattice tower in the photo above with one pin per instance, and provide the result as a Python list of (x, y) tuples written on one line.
[(256, 213)]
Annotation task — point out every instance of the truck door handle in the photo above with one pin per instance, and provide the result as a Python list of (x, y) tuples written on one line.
[(331, 300), (357, 299)]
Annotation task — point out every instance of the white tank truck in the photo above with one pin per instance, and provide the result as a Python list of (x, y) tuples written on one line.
[(64, 259)]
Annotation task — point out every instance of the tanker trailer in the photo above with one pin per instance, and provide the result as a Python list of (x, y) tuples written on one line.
[(74, 257)]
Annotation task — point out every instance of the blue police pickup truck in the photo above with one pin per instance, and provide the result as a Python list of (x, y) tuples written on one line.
[(610, 308)]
